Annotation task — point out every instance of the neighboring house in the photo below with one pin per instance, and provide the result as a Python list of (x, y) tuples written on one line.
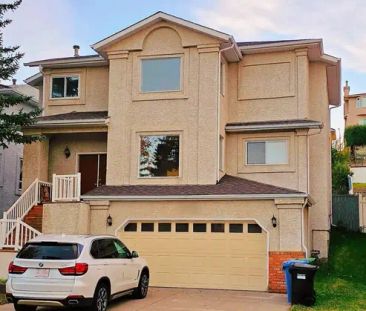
[(11, 158), (209, 156)]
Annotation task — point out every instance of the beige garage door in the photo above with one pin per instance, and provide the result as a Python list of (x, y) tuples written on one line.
[(221, 255)]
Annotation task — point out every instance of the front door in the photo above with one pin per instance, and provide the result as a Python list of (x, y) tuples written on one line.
[(93, 168)]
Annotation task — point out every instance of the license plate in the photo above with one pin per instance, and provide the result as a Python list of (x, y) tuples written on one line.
[(42, 273)]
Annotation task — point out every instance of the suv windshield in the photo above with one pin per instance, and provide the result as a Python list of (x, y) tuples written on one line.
[(50, 251)]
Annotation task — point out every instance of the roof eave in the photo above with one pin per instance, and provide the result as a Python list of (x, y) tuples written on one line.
[(97, 61), (256, 128), (215, 197), (70, 123)]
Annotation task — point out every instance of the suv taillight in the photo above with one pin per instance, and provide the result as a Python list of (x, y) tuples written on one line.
[(14, 269), (78, 269)]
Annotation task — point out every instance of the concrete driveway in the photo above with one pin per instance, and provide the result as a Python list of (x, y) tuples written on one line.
[(174, 299)]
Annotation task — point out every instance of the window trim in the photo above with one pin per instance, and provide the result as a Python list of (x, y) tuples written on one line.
[(360, 99), (179, 160), (65, 76), (181, 77), (265, 141)]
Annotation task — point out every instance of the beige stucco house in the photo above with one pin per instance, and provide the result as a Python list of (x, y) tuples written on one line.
[(191, 145), (354, 107)]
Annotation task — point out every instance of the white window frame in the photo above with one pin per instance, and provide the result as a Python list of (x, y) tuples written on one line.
[(65, 76), (264, 141), (140, 135), (181, 68)]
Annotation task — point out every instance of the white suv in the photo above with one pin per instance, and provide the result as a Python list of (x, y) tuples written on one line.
[(75, 271)]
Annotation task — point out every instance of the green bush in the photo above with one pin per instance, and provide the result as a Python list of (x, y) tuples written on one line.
[(340, 171), (355, 135)]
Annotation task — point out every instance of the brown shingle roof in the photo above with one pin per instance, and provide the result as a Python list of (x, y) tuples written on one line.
[(228, 185), (87, 115)]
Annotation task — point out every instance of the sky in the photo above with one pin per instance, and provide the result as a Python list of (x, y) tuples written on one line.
[(49, 28)]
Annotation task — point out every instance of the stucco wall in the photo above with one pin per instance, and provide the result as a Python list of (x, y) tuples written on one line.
[(320, 161), (93, 91), (354, 114), (77, 144), (74, 217), (192, 112)]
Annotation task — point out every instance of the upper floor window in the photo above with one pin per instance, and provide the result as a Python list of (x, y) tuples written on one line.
[(362, 122), (65, 87), (160, 74), (361, 102), (159, 156), (269, 152)]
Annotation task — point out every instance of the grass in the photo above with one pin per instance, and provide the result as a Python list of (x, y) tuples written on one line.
[(340, 283), (2, 296)]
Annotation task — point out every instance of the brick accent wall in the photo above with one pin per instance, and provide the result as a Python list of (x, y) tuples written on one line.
[(276, 276)]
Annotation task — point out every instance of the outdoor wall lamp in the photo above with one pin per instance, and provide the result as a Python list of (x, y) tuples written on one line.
[(67, 152), (274, 221), (109, 220)]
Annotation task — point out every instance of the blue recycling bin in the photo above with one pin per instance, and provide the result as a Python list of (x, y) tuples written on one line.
[(286, 268)]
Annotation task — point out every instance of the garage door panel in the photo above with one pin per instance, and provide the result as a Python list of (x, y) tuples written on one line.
[(203, 260)]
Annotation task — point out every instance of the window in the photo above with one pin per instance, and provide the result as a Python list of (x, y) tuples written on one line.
[(122, 250), (51, 251), (106, 249), (147, 227), (131, 227), (165, 227), (218, 228), (254, 228), (19, 176), (267, 152), (182, 227), (159, 156), (160, 74), (362, 122), (199, 228), (236, 228), (65, 87), (361, 102)]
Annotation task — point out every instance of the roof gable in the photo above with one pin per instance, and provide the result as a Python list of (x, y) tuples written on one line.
[(158, 17)]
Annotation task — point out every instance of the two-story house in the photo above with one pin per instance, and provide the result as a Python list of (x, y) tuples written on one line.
[(190, 146)]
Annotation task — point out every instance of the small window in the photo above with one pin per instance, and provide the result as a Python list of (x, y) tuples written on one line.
[(218, 228), (107, 249), (254, 228), (267, 152), (362, 122), (65, 87), (131, 227), (181, 227), (199, 228), (159, 156), (20, 176), (147, 227), (160, 74), (165, 227), (236, 228), (361, 102), (122, 250)]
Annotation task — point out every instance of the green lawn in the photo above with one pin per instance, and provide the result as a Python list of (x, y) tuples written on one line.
[(340, 284)]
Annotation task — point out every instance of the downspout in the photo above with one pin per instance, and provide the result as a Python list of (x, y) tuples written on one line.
[(219, 110), (303, 228)]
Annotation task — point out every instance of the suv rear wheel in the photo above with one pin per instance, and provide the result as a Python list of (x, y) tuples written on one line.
[(24, 308), (101, 298), (141, 291)]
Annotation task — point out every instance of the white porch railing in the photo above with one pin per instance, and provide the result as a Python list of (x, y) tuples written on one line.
[(14, 233), (66, 188)]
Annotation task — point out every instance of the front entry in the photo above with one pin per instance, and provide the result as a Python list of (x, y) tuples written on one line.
[(93, 168)]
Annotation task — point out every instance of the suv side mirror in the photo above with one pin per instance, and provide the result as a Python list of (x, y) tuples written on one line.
[(134, 254)]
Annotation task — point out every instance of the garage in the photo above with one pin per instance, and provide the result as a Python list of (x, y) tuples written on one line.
[(201, 254)]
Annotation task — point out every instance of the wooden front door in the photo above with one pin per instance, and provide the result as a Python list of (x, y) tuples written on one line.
[(93, 168)]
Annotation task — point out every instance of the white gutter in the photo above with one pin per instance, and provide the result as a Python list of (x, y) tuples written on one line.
[(299, 125), (57, 123), (303, 228), (213, 197)]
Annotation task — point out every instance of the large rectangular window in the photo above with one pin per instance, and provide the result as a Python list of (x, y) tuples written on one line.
[(267, 152), (160, 74), (159, 156), (65, 87)]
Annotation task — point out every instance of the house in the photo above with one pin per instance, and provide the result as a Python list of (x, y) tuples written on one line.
[(209, 156), (11, 158)]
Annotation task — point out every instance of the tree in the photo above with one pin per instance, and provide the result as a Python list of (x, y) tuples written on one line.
[(11, 123), (340, 171)]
